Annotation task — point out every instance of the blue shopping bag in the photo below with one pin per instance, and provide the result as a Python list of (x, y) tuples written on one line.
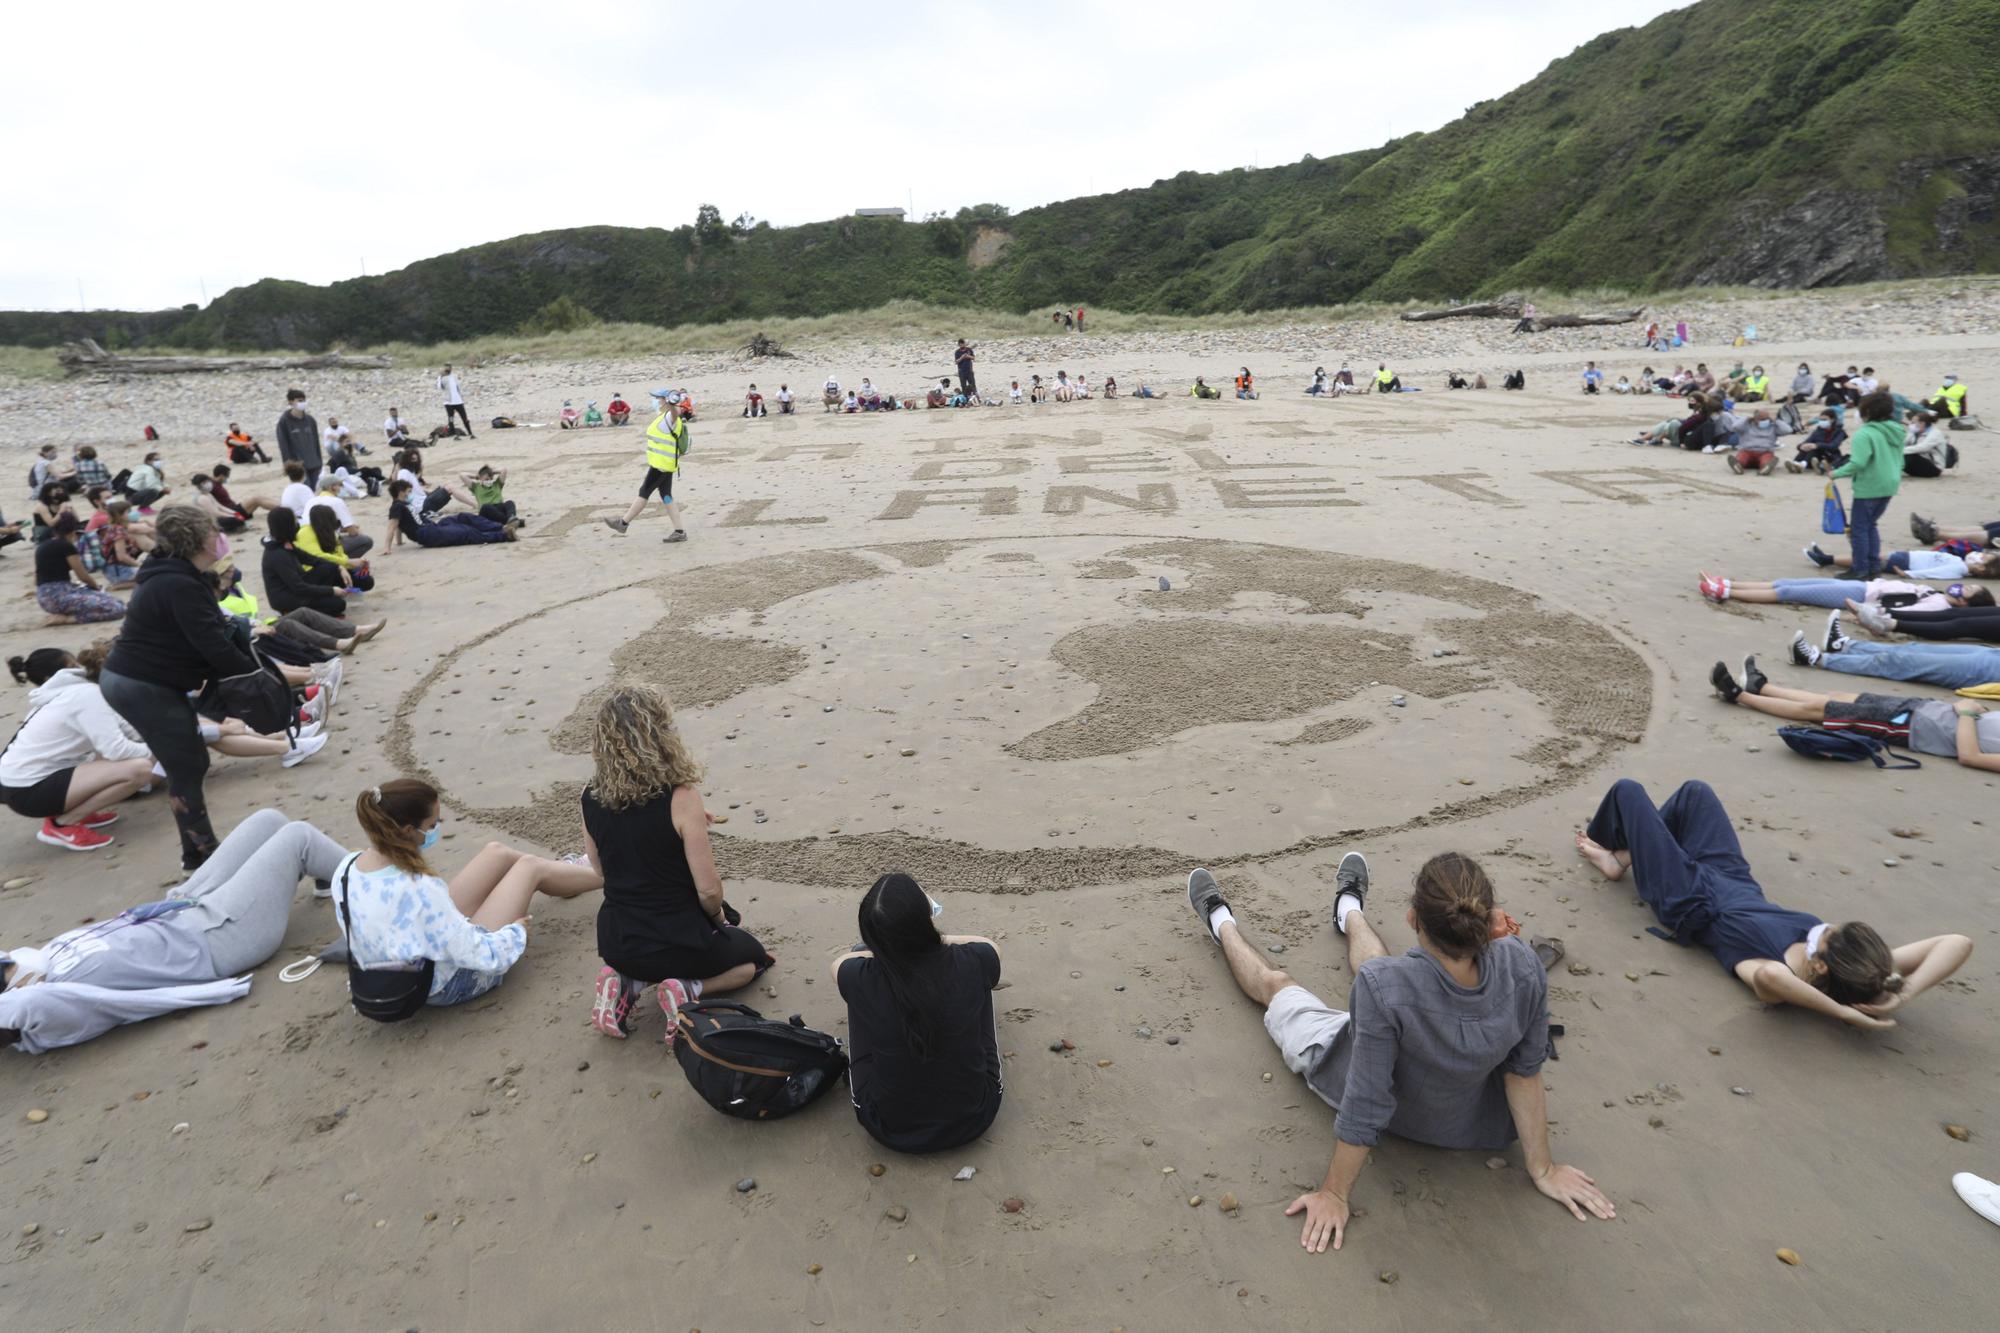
[(1832, 514)]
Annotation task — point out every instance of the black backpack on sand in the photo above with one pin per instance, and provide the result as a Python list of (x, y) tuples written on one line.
[(752, 1067)]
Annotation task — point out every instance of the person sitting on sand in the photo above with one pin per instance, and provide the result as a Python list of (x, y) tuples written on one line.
[(1949, 401), (830, 395), (145, 484), (851, 403), (1063, 390), (1704, 380), (193, 949), (324, 558), (1688, 866), (869, 396), (938, 395), (618, 410), (1145, 390), (1038, 392), (1821, 451), (1593, 378), (488, 489), (1245, 386), (1110, 386), (242, 448), (1757, 444), (753, 403), (67, 592), (245, 507), (1963, 730), (51, 502), (664, 920), (1623, 386), (397, 914), (786, 403), (1343, 380), (289, 578), (429, 530), (1443, 1045), (1385, 380), (925, 1053), (72, 758), (1515, 380), (1318, 388), (1926, 452), (569, 418), (1201, 389)]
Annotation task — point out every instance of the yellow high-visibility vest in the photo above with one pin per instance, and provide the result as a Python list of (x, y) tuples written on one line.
[(1954, 399), (1757, 384), (665, 439), (1383, 377)]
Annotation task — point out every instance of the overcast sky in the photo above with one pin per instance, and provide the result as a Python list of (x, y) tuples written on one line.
[(161, 154)]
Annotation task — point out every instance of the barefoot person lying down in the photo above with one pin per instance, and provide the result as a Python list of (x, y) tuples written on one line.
[(1687, 865), (1959, 730), (187, 951), (1443, 1045)]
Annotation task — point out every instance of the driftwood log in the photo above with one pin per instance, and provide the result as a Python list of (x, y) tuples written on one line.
[(1508, 309), (1578, 321), (763, 346), (86, 356)]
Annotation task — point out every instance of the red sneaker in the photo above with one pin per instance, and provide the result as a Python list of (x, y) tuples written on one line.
[(99, 819), (74, 837)]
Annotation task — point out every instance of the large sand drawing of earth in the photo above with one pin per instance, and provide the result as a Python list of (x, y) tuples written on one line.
[(1071, 723)]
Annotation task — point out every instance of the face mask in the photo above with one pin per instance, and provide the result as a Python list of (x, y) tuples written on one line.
[(299, 405), (431, 836)]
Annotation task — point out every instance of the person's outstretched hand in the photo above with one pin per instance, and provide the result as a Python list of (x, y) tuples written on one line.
[(1571, 1188), (1860, 1017), (1326, 1219), (1882, 1005)]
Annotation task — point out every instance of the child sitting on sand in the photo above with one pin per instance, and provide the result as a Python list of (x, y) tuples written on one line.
[(753, 403), (1689, 868), (570, 418)]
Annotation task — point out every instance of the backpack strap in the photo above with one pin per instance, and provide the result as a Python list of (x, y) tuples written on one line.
[(340, 887)]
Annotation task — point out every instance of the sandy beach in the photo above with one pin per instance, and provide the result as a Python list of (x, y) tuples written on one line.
[(938, 642)]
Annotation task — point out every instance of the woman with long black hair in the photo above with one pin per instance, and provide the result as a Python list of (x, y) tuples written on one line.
[(926, 1055)]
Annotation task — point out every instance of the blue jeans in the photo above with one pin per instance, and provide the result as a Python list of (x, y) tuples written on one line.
[(1955, 666), (1863, 538), (1832, 594)]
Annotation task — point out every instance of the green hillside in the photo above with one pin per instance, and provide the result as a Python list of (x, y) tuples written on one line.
[(1791, 143)]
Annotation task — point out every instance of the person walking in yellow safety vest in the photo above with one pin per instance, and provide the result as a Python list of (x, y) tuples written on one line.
[(1949, 401), (1385, 380), (666, 442)]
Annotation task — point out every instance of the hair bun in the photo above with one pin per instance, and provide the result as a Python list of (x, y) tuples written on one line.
[(1893, 983)]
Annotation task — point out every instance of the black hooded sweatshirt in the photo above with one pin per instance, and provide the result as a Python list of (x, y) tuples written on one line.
[(174, 633)]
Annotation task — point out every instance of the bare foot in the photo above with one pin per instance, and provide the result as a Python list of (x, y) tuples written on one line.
[(367, 632), (1606, 861)]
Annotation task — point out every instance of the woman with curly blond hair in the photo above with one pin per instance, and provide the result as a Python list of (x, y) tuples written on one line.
[(663, 920)]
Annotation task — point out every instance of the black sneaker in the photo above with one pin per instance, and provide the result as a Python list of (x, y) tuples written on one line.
[(1803, 653), (1754, 680), (1923, 529), (1833, 641), (1724, 683), (1204, 895), (1352, 877), (1817, 556), (677, 535)]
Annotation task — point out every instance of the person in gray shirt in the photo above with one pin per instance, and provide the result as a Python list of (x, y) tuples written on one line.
[(177, 954), (1443, 1045)]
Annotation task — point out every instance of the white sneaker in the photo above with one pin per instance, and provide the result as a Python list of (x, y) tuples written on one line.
[(1981, 1195), (303, 749), (316, 727)]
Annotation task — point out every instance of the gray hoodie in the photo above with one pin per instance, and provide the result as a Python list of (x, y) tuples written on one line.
[(146, 961), (1760, 437)]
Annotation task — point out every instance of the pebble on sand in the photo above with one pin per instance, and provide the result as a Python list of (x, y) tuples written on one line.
[(1789, 1256), (199, 1224), (37, 1116), (1496, 1164), (1387, 1277), (1227, 1203), (1012, 1205), (966, 1173), (589, 1157), (1194, 1201), (182, 1127), (1890, 862), (1959, 1132), (1057, 1047), (814, 1270), (877, 1169), (1741, 1092), (1173, 1041), (745, 1185), (896, 1213)]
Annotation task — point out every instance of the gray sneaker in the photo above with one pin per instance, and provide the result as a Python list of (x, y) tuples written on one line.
[(1204, 895), (1352, 877), (677, 535), (617, 525)]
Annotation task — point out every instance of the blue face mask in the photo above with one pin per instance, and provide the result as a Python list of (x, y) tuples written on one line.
[(431, 836)]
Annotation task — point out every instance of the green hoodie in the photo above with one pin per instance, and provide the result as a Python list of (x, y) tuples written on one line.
[(1875, 461)]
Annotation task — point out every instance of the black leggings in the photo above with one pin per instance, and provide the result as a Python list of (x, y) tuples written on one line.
[(166, 721), (458, 410), (1957, 622)]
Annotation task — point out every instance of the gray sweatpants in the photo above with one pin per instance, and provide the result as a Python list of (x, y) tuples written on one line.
[(243, 893)]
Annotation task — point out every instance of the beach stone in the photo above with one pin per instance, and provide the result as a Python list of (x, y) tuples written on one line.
[(589, 1157), (1789, 1256), (1656, 1122), (1012, 1205), (582, 1065), (1173, 1041), (1496, 1164), (1119, 987), (877, 1169), (1715, 1050), (31, 1228), (1057, 1047), (199, 1224), (1959, 1132), (814, 1270), (1227, 1203), (1194, 1201), (1144, 1032), (20, 882), (352, 1196), (745, 1185), (182, 1127), (966, 1173), (1890, 862), (907, 754), (36, 1116), (1741, 1092), (1104, 1064), (897, 1213), (1388, 1277)]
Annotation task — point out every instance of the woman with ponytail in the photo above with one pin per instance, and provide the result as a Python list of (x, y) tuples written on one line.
[(1443, 1045), (926, 1054), (1687, 865), (398, 913)]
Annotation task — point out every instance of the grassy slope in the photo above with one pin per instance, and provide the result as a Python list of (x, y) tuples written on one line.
[(1635, 162)]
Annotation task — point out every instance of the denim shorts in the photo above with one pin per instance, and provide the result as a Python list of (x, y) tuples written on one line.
[(465, 984)]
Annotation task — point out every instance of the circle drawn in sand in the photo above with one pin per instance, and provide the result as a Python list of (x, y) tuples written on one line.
[(1073, 724)]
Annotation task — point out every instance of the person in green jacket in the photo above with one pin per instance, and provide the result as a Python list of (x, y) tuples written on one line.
[(1875, 462)]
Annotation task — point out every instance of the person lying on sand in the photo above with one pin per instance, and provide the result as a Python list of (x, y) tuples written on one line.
[(1972, 616), (190, 950), (926, 1055), (1954, 666), (1687, 865), (664, 920), (1836, 593), (1960, 730), (431, 530), (1443, 1045), (397, 914), (1954, 560)]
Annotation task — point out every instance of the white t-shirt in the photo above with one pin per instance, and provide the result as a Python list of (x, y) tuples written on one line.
[(1863, 384), (333, 435), (1014, 392), (416, 484), (784, 395), (452, 397), (298, 498), (832, 385), (393, 426), (337, 505)]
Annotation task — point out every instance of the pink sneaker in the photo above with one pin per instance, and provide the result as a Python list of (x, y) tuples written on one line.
[(1712, 589), (73, 837), (673, 994), (612, 1005), (99, 819)]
